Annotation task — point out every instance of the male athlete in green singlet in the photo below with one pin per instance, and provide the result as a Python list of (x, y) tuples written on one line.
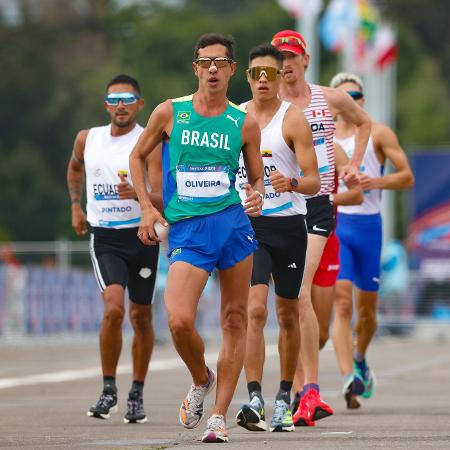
[(203, 135)]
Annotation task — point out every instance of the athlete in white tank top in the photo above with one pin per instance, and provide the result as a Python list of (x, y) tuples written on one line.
[(277, 155), (360, 234), (106, 157), (370, 167), (286, 147), (120, 261)]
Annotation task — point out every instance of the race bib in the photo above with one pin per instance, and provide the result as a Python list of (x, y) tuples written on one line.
[(322, 155), (275, 201), (202, 184)]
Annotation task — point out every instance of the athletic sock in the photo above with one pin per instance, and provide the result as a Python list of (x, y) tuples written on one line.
[(109, 384), (254, 387), (284, 392), (358, 356), (308, 387), (137, 386)]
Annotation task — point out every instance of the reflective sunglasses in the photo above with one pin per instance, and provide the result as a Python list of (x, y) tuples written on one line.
[(219, 61), (127, 98), (257, 72), (289, 40), (355, 95)]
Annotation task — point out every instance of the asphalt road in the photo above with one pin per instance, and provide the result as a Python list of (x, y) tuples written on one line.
[(46, 389)]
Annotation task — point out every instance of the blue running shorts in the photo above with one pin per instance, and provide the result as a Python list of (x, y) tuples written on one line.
[(360, 239), (219, 240)]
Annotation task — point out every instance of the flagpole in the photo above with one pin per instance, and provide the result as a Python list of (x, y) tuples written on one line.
[(388, 80), (306, 24)]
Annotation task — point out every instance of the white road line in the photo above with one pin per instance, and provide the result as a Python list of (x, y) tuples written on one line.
[(384, 377), (156, 365), (338, 433)]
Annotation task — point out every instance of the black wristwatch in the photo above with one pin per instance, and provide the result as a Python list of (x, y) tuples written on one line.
[(294, 183)]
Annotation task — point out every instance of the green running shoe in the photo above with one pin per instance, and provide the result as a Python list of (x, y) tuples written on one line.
[(368, 377)]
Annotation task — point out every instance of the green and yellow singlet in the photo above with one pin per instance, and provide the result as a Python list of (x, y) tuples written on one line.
[(200, 161)]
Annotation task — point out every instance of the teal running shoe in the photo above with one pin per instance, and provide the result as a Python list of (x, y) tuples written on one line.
[(368, 377)]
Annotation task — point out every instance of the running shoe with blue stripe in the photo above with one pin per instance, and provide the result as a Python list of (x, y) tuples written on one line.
[(191, 410), (367, 375), (252, 416), (282, 417)]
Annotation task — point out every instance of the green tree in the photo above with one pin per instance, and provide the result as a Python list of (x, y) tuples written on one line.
[(32, 200), (57, 60)]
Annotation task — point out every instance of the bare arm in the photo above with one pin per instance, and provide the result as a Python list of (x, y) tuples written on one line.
[(354, 195), (251, 139), (341, 103), (154, 170), (297, 133), (75, 182), (157, 128), (387, 144), (152, 135)]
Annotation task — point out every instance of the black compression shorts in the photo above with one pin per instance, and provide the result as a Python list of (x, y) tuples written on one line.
[(119, 257), (281, 253)]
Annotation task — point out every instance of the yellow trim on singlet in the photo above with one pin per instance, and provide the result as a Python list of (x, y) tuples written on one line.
[(186, 98), (237, 107)]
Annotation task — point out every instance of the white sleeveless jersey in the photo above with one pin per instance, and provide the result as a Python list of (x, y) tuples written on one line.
[(322, 127), (104, 157), (372, 168), (276, 155)]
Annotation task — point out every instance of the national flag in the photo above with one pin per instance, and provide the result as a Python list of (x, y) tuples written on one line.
[(385, 49), (368, 21), (319, 113), (355, 25), (338, 24), (365, 35), (266, 153)]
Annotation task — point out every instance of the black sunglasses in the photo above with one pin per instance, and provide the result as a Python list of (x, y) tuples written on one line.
[(355, 95)]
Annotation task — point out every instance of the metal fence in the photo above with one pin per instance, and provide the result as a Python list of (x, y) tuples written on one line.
[(44, 294)]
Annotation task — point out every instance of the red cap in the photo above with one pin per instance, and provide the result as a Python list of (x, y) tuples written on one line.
[(289, 41)]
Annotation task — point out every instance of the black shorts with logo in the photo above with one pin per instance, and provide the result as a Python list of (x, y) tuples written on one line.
[(281, 253), (320, 217), (119, 257)]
